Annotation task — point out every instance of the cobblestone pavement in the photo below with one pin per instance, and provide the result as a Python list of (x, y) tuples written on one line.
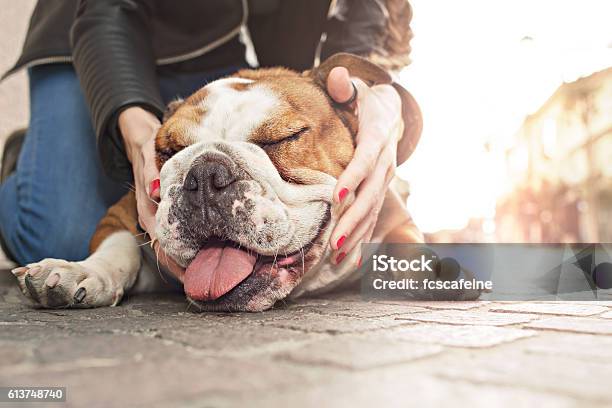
[(153, 351)]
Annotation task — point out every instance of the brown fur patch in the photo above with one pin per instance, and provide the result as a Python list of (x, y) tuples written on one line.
[(119, 217), (239, 86), (172, 136)]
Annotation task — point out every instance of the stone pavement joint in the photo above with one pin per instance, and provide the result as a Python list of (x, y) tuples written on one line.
[(565, 308), (470, 317), (357, 353), (574, 324)]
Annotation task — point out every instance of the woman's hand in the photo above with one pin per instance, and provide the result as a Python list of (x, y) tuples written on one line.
[(373, 165), (139, 128)]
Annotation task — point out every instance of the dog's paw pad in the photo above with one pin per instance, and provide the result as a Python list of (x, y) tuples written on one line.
[(56, 283)]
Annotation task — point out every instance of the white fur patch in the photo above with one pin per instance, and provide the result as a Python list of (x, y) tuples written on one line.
[(232, 115)]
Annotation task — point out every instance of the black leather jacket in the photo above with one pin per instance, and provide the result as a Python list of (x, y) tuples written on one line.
[(118, 46)]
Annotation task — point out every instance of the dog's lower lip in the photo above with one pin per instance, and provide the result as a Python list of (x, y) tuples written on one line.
[(285, 260)]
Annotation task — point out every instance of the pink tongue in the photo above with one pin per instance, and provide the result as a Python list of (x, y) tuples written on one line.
[(217, 269)]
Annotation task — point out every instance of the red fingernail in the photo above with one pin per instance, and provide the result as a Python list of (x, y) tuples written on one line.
[(340, 257), (340, 241), (154, 186), (342, 193), (359, 262)]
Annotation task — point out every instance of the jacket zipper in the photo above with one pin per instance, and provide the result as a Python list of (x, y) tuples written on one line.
[(323, 38), (46, 60), (162, 61)]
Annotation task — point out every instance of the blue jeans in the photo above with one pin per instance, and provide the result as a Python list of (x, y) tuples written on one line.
[(50, 206)]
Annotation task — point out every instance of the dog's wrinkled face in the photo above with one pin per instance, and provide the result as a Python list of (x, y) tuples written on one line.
[(248, 166)]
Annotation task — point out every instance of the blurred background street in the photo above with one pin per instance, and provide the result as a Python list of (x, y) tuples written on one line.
[(13, 90), (517, 103)]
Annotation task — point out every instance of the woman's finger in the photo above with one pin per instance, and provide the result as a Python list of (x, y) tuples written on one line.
[(369, 194), (146, 212), (353, 240), (150, 171), (361, 166), (363, 233), (339, 85)]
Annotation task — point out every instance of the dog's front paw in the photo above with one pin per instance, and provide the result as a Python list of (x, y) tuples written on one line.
[(55, 283)]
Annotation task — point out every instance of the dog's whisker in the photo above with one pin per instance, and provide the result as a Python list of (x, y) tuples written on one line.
[(161, 275), (153, 201)]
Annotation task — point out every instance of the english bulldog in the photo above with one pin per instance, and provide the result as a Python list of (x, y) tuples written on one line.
[(248, 165)]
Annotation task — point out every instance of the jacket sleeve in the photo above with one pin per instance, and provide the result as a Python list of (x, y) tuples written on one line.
[(115, 63), (379, 31)]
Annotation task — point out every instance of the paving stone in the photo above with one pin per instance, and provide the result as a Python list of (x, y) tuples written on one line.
[(142, 382), (559, 308), (469, 317), (13, 353), (599, 302), (466, 305), (365, 309), (460, 336), (582, 347), (236, 340), (394, 388), (574, 324), (585, 379), (359, 353), (318, 323), (42, 354)]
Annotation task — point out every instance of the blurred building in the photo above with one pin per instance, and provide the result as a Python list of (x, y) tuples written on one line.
[(560, 168), (476, 230)]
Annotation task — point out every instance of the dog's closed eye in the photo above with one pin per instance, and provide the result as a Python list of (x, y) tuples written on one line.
[(293, 136), (165, 148)]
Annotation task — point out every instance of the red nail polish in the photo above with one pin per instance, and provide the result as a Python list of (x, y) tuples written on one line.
[(154, 186), (340, 241), (359, 262), (342, 193), (340, 257)]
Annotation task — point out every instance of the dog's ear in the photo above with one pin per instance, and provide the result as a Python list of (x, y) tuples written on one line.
[(372, 74), (172, 107), (359, 67)]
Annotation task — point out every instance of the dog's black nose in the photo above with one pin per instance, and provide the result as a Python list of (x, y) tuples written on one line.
[(209, 178)]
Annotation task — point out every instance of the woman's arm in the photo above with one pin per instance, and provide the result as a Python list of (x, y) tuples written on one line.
[(114, 60)]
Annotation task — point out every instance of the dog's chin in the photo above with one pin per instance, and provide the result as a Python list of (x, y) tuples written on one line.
[(269, 279)]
